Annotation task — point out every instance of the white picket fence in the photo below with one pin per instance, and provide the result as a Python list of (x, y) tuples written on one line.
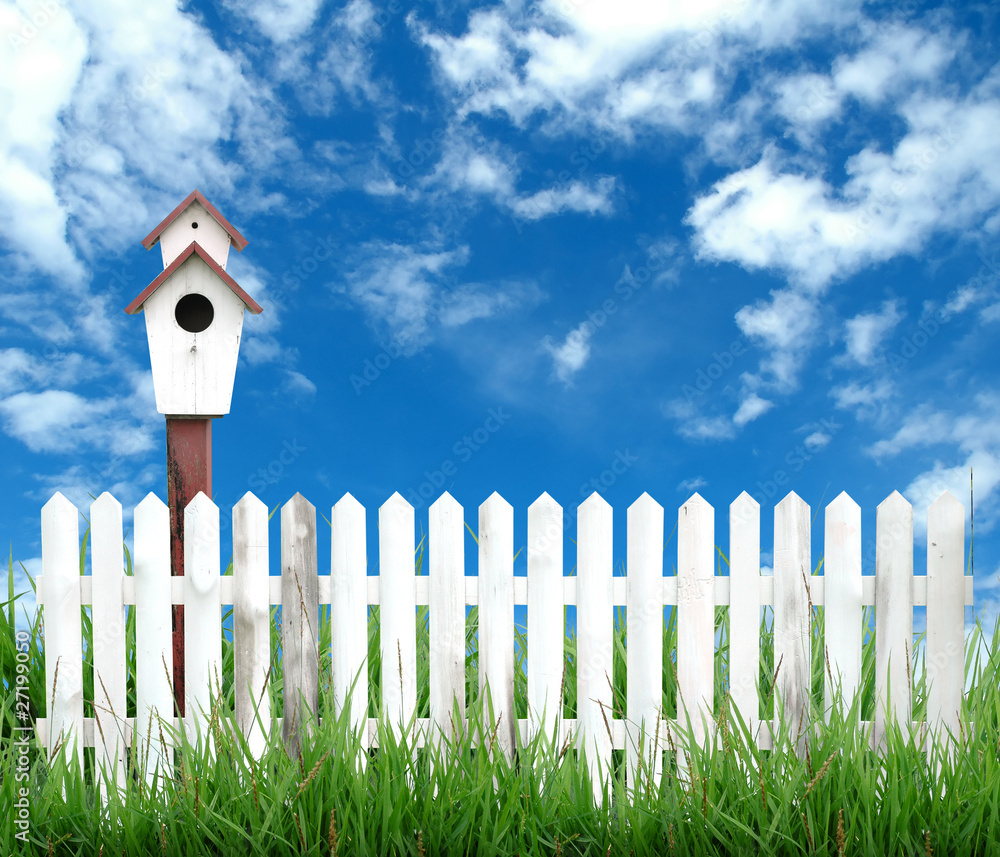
[(644, 591)]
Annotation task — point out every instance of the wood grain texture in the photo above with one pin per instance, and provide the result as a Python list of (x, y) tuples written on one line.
[(299, 620), (110, 696), (154, 697), (644, 646), (496, 616), (251, 621), (893, 612), (792, 619), (202, 616), (546, 615), (595, 640), (842, 613)]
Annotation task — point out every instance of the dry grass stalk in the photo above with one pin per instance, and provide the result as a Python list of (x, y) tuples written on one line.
[(298, 826), (312, 774), (840, 833), (331, 835), (809, 835), (820, 774)]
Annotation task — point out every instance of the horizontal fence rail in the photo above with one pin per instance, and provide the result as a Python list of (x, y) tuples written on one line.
[(445, 589)]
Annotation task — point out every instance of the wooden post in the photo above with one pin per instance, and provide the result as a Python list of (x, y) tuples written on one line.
[(189, 470)]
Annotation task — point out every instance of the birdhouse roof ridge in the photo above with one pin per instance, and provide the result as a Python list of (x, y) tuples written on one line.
[(193, 249), (238, 241)]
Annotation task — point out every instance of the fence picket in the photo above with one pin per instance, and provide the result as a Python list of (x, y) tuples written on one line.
[(154, 654), (792, 619), (397, 613), (842, 611), (546, 622), (108, 572), (744, 609), (945, 654), (251, 621), (496, 616), (446, 536), (644, 647), (202, 615), (893, 612), (299, 620), (349, 613), (594, 637), (63, 627), (695, 618)]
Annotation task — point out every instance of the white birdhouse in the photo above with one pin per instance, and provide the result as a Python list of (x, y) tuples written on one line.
[(194, 311)]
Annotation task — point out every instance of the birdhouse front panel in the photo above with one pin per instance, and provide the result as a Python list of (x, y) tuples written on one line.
[(195, 224), (194, 322)]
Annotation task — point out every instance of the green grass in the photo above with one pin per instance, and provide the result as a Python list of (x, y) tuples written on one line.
[(463, 799)]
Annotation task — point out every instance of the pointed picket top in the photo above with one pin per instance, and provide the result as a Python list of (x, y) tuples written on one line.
[(644, 504), (744, 508), (299, 504), (348, 501), (697, 500), (947, 503), (150, 502), (545, 503), (396, 503), (495, 503), (105, 502), (58, 505), (842, 504), (201, 525), (594, 503), (446, 501), (792, 501), (895, 501), (250, 501)]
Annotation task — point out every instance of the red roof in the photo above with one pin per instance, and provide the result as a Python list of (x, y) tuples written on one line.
[(239, 242), (193, 249)]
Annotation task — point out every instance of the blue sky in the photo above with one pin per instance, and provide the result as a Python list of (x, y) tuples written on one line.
[(516, 247)]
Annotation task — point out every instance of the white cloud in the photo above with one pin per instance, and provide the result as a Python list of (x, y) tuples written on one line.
[(752, 407), (615, 66), (37, 82), (62, 421), (576, 196), (975, 437), (939, 177), (570, 356), (691, 485), (280, 20), (866, 400), (298, 384), (693, 425), (408, 292), (865, 332), (785, 325)]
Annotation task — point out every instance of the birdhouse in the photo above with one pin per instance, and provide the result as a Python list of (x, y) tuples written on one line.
[(194, 312)]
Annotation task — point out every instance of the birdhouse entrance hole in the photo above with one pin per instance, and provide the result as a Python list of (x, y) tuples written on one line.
[(194, 313)]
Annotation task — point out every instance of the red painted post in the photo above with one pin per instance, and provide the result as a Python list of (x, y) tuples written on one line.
[(189, 470)]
